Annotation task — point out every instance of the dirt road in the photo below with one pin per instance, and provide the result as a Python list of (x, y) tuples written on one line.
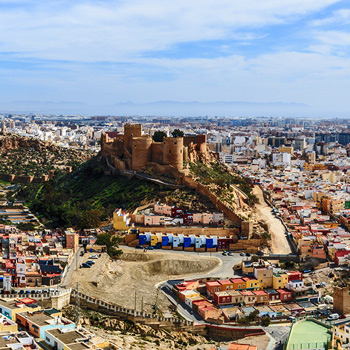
[(279, 242)]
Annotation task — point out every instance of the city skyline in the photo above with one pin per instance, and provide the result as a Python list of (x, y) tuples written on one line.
[(98, 55)]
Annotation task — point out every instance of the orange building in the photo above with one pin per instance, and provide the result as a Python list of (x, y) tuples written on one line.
[(72, 240)]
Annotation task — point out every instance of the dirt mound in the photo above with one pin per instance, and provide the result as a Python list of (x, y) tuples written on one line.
[(180, 267), (136, 256), (138, 273)]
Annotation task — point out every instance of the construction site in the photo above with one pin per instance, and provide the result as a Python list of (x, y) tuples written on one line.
[(131, 281)]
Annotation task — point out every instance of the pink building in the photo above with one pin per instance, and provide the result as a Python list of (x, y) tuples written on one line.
[(162, 209), (154, 220), (197, 218), (207, 218)]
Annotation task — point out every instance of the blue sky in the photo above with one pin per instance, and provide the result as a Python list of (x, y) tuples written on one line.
[(102, 52)]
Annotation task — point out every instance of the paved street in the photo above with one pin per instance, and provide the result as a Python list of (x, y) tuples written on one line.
[(279, 334), (77, 260)]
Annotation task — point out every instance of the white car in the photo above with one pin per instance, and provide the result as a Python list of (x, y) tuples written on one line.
[(333, 317), (93, 256)]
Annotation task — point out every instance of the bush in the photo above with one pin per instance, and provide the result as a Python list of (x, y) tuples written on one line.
[(265, 321)]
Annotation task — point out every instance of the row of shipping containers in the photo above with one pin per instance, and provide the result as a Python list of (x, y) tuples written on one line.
[(184, 242)]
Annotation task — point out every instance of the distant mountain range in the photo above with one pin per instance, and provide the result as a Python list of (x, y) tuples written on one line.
[(160, 108)]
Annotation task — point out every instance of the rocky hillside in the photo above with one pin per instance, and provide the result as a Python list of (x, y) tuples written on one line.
[(29, 156), (88, 193)]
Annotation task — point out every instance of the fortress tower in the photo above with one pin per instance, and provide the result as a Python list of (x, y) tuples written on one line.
[(341, 300), (141, 151), (173, 152), (130, 131)]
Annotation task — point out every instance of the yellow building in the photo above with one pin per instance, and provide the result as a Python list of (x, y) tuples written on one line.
[(286, 149), (8, 326), (332, 205), (279, 280), (308, 167), (251, 283), (318, 195), (264, 276), (120, 221)]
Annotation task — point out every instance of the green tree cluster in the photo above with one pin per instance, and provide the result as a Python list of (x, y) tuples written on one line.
[(112, 244), (158, 136)]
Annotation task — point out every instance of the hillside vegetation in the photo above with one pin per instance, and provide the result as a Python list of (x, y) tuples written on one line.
[(217, 177), (87, 196), (29, 156)]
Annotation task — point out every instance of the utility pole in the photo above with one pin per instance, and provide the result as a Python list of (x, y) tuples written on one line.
[(77, 307), (135, 300)]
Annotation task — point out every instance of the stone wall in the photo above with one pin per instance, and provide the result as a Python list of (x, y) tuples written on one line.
[(205, 191), (217, 333), (57, 300), (24, 179)]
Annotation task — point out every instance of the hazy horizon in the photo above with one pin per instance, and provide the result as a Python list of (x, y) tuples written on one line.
[(279, 57)]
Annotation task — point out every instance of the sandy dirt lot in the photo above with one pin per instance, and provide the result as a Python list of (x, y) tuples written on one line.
[(135, 342), (279, 243), (117, 281)]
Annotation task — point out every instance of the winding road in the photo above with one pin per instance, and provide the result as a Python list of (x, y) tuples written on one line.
[(279, 241)]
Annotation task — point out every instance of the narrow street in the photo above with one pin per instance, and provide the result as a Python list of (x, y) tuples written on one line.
[(77, 260), (279, 242)]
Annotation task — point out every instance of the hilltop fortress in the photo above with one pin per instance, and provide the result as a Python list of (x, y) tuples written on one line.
[(134, 151)]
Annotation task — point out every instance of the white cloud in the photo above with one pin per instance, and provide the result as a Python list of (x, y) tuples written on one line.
[(333, 37), (113, 30), (338, 17)]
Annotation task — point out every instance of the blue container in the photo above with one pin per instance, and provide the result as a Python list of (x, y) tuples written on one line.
[(210, 243), (142, 239), (165, 241), (187, 242)]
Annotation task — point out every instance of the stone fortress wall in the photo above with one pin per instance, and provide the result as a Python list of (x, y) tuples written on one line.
[(134, 151)]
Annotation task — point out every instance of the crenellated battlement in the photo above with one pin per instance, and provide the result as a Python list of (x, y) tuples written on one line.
[(135, 150)]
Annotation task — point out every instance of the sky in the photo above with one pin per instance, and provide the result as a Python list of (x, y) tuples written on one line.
[(101, 53)]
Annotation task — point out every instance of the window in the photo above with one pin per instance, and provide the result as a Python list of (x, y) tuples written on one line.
[(169, 150)]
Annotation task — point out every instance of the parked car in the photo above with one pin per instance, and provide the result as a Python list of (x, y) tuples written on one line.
[(94, 256), (242, 254), (224, 253), (21, 292), (33, 291), (230, 253), (247, 254), (85, 265), (307, 271), (139, 247), (91, 262), (150, 248), (333, 317)]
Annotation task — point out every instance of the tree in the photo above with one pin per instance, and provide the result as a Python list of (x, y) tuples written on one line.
[(265, 321), (111, 242), (159, 136), (177, 133), (91, 218)]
